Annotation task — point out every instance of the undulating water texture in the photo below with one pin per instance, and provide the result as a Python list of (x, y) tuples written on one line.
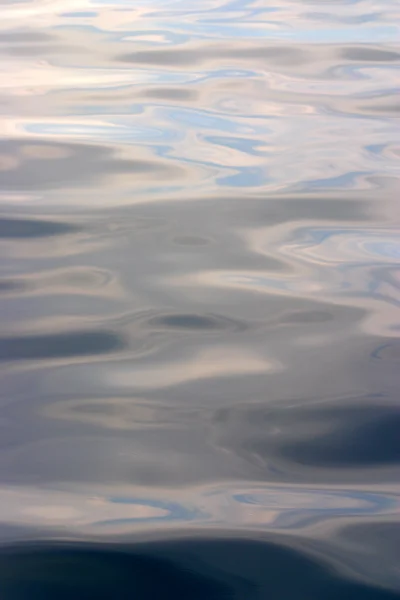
[(199, 299)]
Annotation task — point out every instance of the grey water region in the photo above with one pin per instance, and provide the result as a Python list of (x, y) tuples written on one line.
[(199, 299)]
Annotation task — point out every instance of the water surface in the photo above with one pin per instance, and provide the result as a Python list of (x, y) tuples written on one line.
[(199, 299)]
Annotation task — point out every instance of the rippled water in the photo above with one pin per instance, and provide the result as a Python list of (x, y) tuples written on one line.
[(199, 296)]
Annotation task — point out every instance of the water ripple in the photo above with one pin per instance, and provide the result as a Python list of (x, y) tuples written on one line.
[(199, 291)]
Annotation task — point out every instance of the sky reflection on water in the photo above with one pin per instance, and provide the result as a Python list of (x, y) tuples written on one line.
[(199, 291)]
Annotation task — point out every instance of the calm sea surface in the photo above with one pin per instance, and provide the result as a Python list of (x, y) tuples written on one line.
[(199, 299)]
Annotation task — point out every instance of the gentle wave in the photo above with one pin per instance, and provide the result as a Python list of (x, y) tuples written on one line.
[(199, 295)]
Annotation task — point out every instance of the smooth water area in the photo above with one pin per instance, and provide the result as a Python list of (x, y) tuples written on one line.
[(199, 299)]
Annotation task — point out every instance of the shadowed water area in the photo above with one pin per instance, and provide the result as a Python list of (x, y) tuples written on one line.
[(199, 299)]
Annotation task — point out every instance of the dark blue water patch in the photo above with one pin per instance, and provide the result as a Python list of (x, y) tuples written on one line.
[(34, 228), (362, 439), (193, 322), (199, 569), (59, 345), (319, 438), (10, 286)]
